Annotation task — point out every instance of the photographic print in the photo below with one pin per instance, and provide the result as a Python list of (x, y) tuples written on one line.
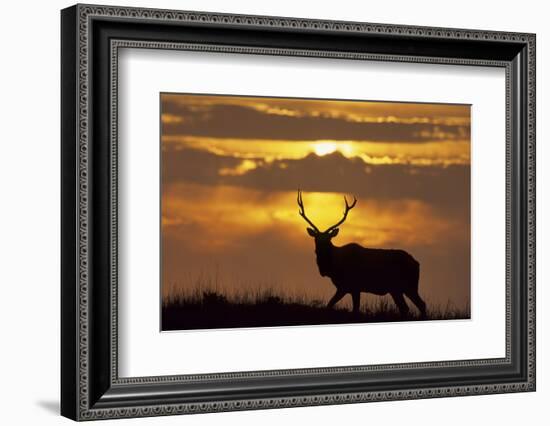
[(290, 211)]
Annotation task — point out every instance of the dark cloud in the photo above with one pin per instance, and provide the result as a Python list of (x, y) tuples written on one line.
[(236, 121), (193, 165), (447, 189)]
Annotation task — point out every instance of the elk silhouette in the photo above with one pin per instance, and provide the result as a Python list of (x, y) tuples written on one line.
[(355, 269)]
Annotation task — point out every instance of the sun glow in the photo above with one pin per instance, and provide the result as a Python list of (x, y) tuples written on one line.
[(421, 154), (324, 148), (224, 215)]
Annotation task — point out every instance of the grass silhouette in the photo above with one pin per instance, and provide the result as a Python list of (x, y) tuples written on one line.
[(209, 308)]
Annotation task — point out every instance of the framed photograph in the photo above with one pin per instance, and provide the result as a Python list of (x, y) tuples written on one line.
[(263, 212), (240, 159)]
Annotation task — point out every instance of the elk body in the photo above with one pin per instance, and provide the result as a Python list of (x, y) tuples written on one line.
[(355, 269)]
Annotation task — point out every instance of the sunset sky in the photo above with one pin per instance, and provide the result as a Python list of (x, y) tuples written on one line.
[(231, 167)]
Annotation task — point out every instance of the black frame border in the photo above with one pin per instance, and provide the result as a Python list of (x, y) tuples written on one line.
[(90, 387)]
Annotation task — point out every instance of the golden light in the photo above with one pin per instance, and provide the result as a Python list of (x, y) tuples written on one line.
[(440, 153), (227, 214), (324, 148), (329, 147), (242, 168)]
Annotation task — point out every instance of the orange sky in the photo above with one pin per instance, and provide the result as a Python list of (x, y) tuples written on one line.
[(231, 167)]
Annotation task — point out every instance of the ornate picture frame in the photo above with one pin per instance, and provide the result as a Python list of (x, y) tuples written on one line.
[(91, 37)]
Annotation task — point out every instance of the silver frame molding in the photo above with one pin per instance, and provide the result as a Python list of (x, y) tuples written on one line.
[(91, 39)]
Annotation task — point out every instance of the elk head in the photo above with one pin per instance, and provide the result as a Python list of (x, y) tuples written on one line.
[(323, 244)]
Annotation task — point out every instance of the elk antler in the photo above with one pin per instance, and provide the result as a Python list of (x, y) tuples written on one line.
[(303, 212), (348, 208)]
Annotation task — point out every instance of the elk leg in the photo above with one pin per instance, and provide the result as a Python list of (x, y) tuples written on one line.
[(415, 298), (337, 296), (356, 297), (401, 304)]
